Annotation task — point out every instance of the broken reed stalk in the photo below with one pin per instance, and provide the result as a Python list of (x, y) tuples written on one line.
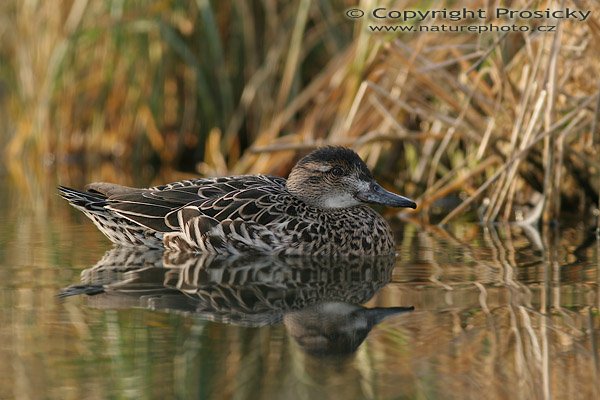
[(512, 172), (529, 76), (595, 144), (520, 155), (439, 192), (447, 138), (553, 149), (433, 111)]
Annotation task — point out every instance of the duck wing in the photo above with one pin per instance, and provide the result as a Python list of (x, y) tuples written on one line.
[(250, 198), (204, 234)]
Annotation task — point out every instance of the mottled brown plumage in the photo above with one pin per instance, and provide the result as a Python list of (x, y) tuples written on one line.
[(319, 210)]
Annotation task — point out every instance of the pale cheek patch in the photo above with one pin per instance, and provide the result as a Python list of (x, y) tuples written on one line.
[(341, 201), (363, 186)]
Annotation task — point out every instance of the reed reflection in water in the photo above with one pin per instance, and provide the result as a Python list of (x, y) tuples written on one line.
[(500, 312)]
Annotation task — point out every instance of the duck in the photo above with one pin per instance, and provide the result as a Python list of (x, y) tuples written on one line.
[(322, 208)]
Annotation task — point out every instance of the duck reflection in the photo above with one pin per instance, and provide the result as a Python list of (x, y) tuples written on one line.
[(335, 328), (317, 299)]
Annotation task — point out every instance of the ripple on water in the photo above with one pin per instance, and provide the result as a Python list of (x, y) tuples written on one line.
[(497, 311)]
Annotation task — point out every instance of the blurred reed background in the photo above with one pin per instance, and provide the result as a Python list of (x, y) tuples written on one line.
[(493, 126)]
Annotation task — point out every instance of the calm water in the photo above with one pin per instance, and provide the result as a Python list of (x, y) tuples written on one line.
[(499, 313)]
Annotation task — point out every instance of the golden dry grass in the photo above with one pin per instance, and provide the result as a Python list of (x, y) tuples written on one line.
[(495, 123)]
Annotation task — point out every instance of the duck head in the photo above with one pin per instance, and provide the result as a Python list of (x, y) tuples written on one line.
[(336, 177), (335, 327)]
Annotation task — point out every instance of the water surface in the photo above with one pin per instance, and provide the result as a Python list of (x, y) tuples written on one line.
[(500, 312)]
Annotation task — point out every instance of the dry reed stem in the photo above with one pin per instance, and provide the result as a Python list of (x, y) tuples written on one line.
[(436, 193), (139, 82), (595, 144), (552, 154), (512, 171), (519, 155), (497, 198), (289, 71)]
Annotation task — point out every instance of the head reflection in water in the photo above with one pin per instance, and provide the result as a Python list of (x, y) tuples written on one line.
[(318, 299), (335, 328)]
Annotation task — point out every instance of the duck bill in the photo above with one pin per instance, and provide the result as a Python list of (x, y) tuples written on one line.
[(375, 194), (378, 314)]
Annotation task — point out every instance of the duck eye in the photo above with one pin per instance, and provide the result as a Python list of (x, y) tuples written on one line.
[(337, 171)]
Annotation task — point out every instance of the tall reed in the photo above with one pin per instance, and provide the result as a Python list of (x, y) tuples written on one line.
[(500, 125)]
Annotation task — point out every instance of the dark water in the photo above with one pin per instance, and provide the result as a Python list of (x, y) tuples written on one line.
[(499, 313)]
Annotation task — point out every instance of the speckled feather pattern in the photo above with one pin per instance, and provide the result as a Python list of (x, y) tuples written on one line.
[(231, 215), (319, 210)]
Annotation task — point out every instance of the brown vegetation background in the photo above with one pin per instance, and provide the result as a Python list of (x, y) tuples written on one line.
[(500, 126)]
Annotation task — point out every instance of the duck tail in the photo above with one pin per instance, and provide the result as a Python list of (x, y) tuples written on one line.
[(85, 201), (119, 230)]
